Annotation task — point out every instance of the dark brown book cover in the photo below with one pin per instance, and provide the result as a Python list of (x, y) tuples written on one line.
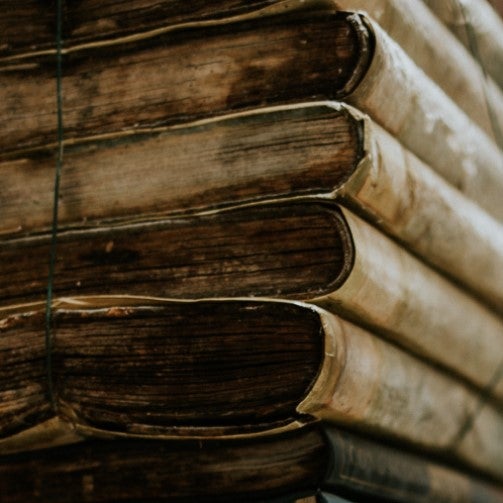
[(152, 368), (308, 465), (305, 250), (323, 150), (301, 51)]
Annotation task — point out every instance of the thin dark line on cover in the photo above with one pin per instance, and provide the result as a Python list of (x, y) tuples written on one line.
[(474, 49), (483, 398), (498, 374), (54, 230)]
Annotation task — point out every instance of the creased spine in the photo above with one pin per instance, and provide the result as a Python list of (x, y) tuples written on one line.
[(403, 196), (383, 390), (400, 97), (399, 297), (484, 32), (439, 54)]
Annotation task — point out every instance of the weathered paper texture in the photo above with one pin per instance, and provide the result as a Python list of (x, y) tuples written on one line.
[(391, 187), (409, 201), (409, 303), (399, 96), (389, 289), (375, 281), (364, 382), (483, 35), (439, 54)]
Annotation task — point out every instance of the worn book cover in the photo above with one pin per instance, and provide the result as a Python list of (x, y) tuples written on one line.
[(479, 27), (144, 367), (301, 249), (321, 150), (288, 55), (300, 466), (445, 60)]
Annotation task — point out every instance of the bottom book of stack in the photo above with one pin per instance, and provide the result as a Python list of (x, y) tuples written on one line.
[(315, 463), (228, 399)]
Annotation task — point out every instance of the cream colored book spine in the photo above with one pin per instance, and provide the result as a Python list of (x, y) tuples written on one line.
[(408, 200), (399, 96), (478, 26), (440, 55), (399, 297), (371, 385)]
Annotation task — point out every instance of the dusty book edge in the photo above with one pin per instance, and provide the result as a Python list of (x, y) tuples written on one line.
[(274, 9), (50, 433)]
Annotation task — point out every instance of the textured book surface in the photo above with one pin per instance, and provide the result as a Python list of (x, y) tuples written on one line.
[(191, 73), (185, 74), (304, 250), (289, 465), (28, 29), (363, 470), (155, 368), (182, 472), (314, 149), (440, 55), (478, 27)]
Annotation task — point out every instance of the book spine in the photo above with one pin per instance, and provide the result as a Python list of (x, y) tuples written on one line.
[(395, 294), (404, 197), (386, 392), (367, 469), (478, 27), (439, 54), (399, 96)]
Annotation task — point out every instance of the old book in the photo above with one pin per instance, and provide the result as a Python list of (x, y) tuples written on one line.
[(145, 367), (478, 27), (292, 466), (312, 149), (361, 470), (301, 249), (28, 29), (433, 48), (168, 104), (187, 74), (144, 470)]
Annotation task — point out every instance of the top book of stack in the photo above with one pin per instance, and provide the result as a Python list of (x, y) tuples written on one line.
[(119, 85)]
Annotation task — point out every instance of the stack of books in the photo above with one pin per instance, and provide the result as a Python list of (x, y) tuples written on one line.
[(278, 253)]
